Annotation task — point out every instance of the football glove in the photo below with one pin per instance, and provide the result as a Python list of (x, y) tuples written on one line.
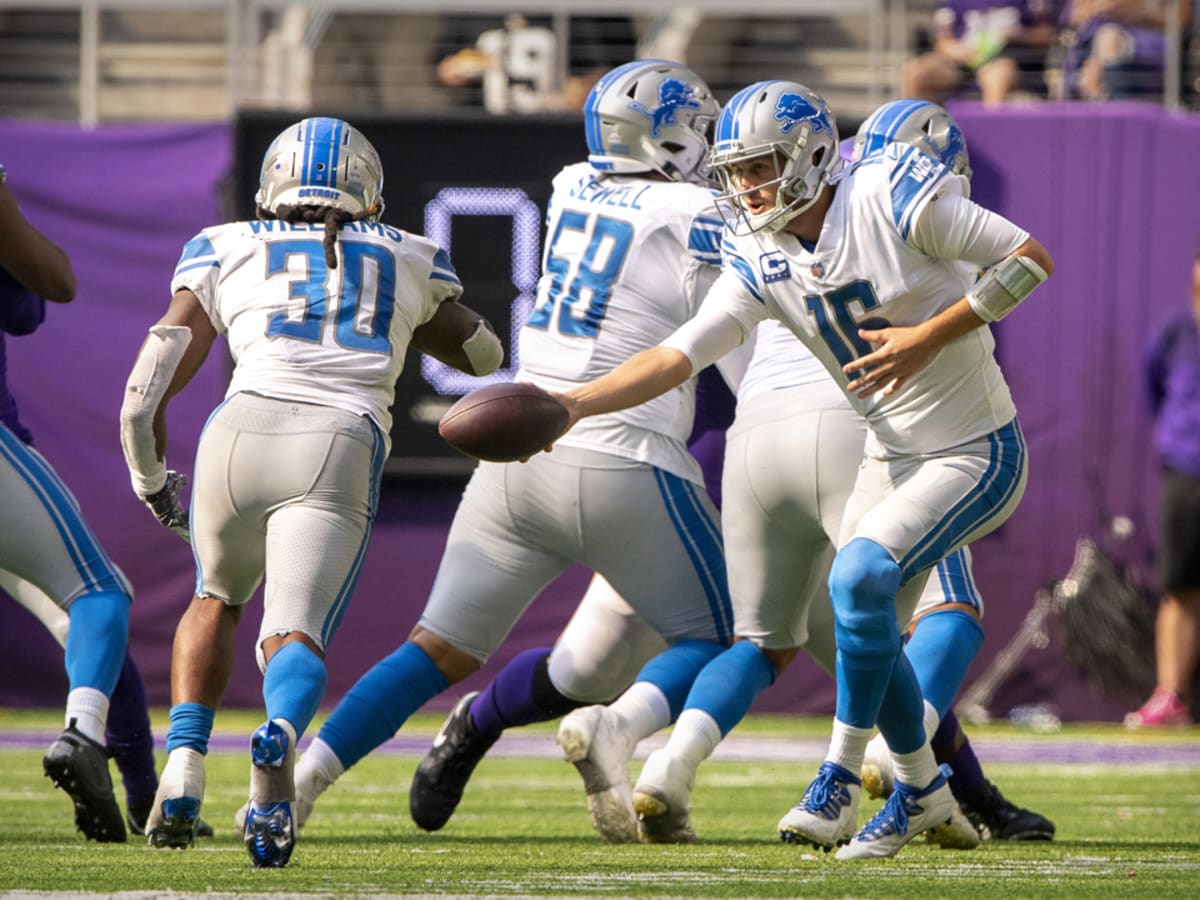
[(167, 507)]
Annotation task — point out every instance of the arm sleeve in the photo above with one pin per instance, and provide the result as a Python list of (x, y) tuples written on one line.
[(1155, 368), (953, 227), (724, 321), (21, 310)]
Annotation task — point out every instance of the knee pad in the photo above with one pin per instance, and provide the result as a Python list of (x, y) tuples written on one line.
[(862, 585)]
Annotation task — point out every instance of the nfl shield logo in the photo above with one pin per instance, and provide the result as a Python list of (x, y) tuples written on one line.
[(818, 269)]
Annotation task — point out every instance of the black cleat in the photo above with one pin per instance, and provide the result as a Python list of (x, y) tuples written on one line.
[(442, 776), (138, 811), (79, 766), (998, 819)]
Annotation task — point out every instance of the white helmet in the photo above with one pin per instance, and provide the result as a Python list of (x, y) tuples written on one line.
[(321, 162), (791, 121), (919, 123), (651, 115)]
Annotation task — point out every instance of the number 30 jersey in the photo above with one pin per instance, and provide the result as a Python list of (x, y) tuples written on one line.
[(627, 260), (883, 259), (305, 332)]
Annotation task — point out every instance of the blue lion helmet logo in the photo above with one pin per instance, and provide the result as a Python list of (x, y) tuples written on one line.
[(673, 95), (948, 150), (793, 109)]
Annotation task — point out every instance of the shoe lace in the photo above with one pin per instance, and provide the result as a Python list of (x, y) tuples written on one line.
[(826, 795), (891, 819)]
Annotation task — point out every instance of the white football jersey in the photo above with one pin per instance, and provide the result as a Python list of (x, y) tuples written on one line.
[(866, 269), (626, 262), (305, 332), (780, 360)]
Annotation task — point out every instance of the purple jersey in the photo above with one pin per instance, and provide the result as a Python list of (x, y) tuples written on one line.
[(1173, 392), (964, 17), (20, 313)]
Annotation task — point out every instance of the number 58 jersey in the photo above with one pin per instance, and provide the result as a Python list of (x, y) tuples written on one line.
[(627, 260), (299, 330)]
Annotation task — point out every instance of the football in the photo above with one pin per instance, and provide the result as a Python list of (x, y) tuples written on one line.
[(504, 422)]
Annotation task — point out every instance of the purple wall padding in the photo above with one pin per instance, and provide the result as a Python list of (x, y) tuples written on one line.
[(1110, 190)]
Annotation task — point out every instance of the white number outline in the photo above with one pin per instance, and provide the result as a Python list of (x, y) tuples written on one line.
[(525, 268)]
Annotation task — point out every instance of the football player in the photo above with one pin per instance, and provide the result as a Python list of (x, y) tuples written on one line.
[(792, 457), (319, 301), (51, 563), (632, 245), (785, 378), (862, 267), (941, 647)]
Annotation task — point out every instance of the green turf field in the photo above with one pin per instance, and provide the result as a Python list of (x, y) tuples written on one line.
[(1124, 830)]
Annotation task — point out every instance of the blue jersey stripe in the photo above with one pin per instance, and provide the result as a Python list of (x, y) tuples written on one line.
[(955, 577), (996, 487), (91, 563), (913, 176), (200, 588), (702, 540), (334, 618), (196, 248), (745, 274), (443, 269), (203, 264), (706, 239)]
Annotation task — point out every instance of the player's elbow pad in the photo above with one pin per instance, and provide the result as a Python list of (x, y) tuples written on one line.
[(483, 349), (1004, 286)]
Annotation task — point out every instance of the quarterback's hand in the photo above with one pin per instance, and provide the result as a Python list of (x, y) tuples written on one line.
[(167, 507), (898, 353)]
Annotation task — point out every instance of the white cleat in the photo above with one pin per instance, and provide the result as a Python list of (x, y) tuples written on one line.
[(878, 776), (660, 799), (827, 814), (957, 834), (591, 739), (172, 819), (906, 814)]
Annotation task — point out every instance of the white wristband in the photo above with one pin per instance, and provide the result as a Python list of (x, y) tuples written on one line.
[(484, 350)]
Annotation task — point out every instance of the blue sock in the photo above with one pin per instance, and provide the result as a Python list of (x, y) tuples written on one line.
[(675, 669), (941, 649), (97, 640), (902, 713), (521, 693), (380, 702), (727, 687), (128, 734), (294, 685), (862, 585), (191, 726)]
